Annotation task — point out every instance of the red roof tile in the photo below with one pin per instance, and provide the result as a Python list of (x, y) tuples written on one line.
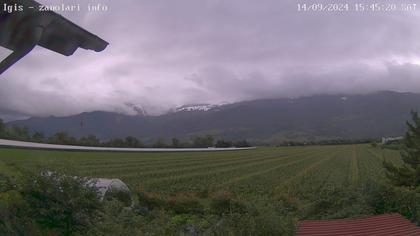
[(380, 225)]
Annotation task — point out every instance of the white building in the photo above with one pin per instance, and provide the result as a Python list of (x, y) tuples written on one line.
[(387, 140)]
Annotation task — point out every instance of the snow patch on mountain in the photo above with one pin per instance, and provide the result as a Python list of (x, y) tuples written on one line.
[(198, 107)]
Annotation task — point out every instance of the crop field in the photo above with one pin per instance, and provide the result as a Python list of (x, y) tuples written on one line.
[(249, 172)]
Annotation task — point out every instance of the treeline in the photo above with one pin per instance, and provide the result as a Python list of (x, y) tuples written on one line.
[(326, 142), (16, 132)]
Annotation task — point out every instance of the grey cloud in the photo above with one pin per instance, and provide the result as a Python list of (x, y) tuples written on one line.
[(341, 80), (166, 53)]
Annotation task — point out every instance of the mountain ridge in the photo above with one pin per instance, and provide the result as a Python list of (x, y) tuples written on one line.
[(306, 118)]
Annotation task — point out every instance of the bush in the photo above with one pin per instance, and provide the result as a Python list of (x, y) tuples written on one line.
[(122, 196), (59, 202), (265, 221), (336, 203), (116, 219), (151, 200), (14, 219), (223, 203), (185, 204), (6, 184), (386, 199)]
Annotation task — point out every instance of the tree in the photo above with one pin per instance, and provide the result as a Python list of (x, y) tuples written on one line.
[(2, 128), (241, 143), (203, 141), (117, 142), (90, 140), (223, 144), (18, 132), (63, 138), (38, 137), (159, 143), (132, 142), (176, 143), (408, 175)]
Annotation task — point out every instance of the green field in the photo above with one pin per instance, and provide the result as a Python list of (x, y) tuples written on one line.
[(264, 191), (250, 172)]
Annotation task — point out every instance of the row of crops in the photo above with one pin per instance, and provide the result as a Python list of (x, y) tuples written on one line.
[(250, 172)]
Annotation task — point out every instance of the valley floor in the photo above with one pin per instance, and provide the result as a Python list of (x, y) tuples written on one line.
[(259, 171), (267, 189)]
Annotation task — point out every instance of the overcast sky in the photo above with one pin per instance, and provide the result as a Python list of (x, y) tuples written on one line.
[(165, 53)]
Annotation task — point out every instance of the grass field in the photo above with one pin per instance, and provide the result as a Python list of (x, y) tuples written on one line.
[(264, 191), (251, 172)]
